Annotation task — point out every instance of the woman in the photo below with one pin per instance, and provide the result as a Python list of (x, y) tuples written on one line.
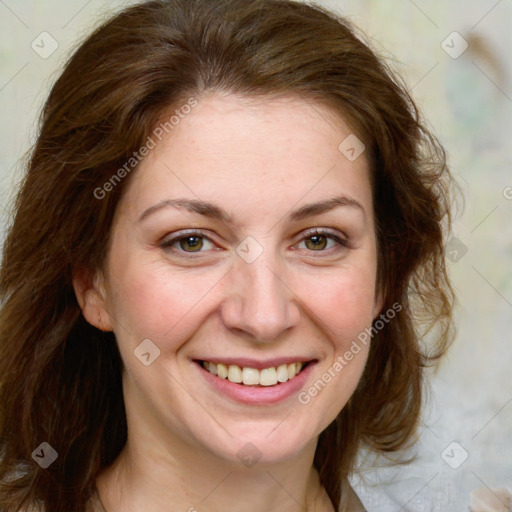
[(225, 253)]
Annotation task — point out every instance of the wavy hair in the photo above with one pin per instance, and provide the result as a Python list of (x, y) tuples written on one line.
[(60, 378)]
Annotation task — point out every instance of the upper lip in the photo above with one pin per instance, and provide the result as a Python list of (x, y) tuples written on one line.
[(246, 362)]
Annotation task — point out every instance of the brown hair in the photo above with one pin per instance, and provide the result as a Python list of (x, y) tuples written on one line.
[(60, 378)]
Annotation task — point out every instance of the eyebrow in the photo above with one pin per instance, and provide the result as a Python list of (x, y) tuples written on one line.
[(215, 212)]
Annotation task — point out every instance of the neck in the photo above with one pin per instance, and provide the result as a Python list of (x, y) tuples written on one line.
[(153, 480)]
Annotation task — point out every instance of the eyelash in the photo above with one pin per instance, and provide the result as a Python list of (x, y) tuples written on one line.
[(168, 243)]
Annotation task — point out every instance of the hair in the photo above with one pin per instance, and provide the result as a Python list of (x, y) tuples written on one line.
[(60, 377)]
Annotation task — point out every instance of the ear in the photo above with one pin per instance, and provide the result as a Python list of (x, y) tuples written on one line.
[(91, 296), (378, 303)]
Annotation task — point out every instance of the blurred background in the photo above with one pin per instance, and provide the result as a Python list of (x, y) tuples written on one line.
[(455, 58)]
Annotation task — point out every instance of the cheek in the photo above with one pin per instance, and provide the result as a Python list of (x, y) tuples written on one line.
[(344, 308), (343, 303), (149, 302)]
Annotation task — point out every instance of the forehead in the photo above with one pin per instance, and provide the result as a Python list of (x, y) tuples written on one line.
[(250, 151)]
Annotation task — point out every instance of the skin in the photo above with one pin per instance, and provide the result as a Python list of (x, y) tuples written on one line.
[(258, 159)]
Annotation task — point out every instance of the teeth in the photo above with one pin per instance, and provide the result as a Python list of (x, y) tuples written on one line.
[(234, 373), (252, 376), (222, 371), (268, 377), (282, 373)]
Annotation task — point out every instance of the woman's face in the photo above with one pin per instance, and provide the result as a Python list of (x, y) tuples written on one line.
[(246, 239)]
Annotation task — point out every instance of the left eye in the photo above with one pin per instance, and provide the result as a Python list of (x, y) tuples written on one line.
[(319, 241)]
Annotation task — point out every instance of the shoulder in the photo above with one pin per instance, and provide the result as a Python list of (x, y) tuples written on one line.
[(92, 506), (354, 502), (27, 507)]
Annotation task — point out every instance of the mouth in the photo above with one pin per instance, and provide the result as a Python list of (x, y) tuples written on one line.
[(255, 383), (253, 377)]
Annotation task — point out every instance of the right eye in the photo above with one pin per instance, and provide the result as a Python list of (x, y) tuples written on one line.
[(186, 242)]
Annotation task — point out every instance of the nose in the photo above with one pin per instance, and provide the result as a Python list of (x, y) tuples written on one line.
[(260, 304)]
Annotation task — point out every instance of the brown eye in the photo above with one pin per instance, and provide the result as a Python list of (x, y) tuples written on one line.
[(188, 243), (323, 241), (317, 242), (194, 243)]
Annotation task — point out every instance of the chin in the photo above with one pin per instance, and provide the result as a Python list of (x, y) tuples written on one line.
[(268, 442)]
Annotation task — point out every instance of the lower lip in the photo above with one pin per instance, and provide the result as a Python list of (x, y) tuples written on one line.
[(255, 395)]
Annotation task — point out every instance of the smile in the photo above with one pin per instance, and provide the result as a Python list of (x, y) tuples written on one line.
[(252, 376)]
